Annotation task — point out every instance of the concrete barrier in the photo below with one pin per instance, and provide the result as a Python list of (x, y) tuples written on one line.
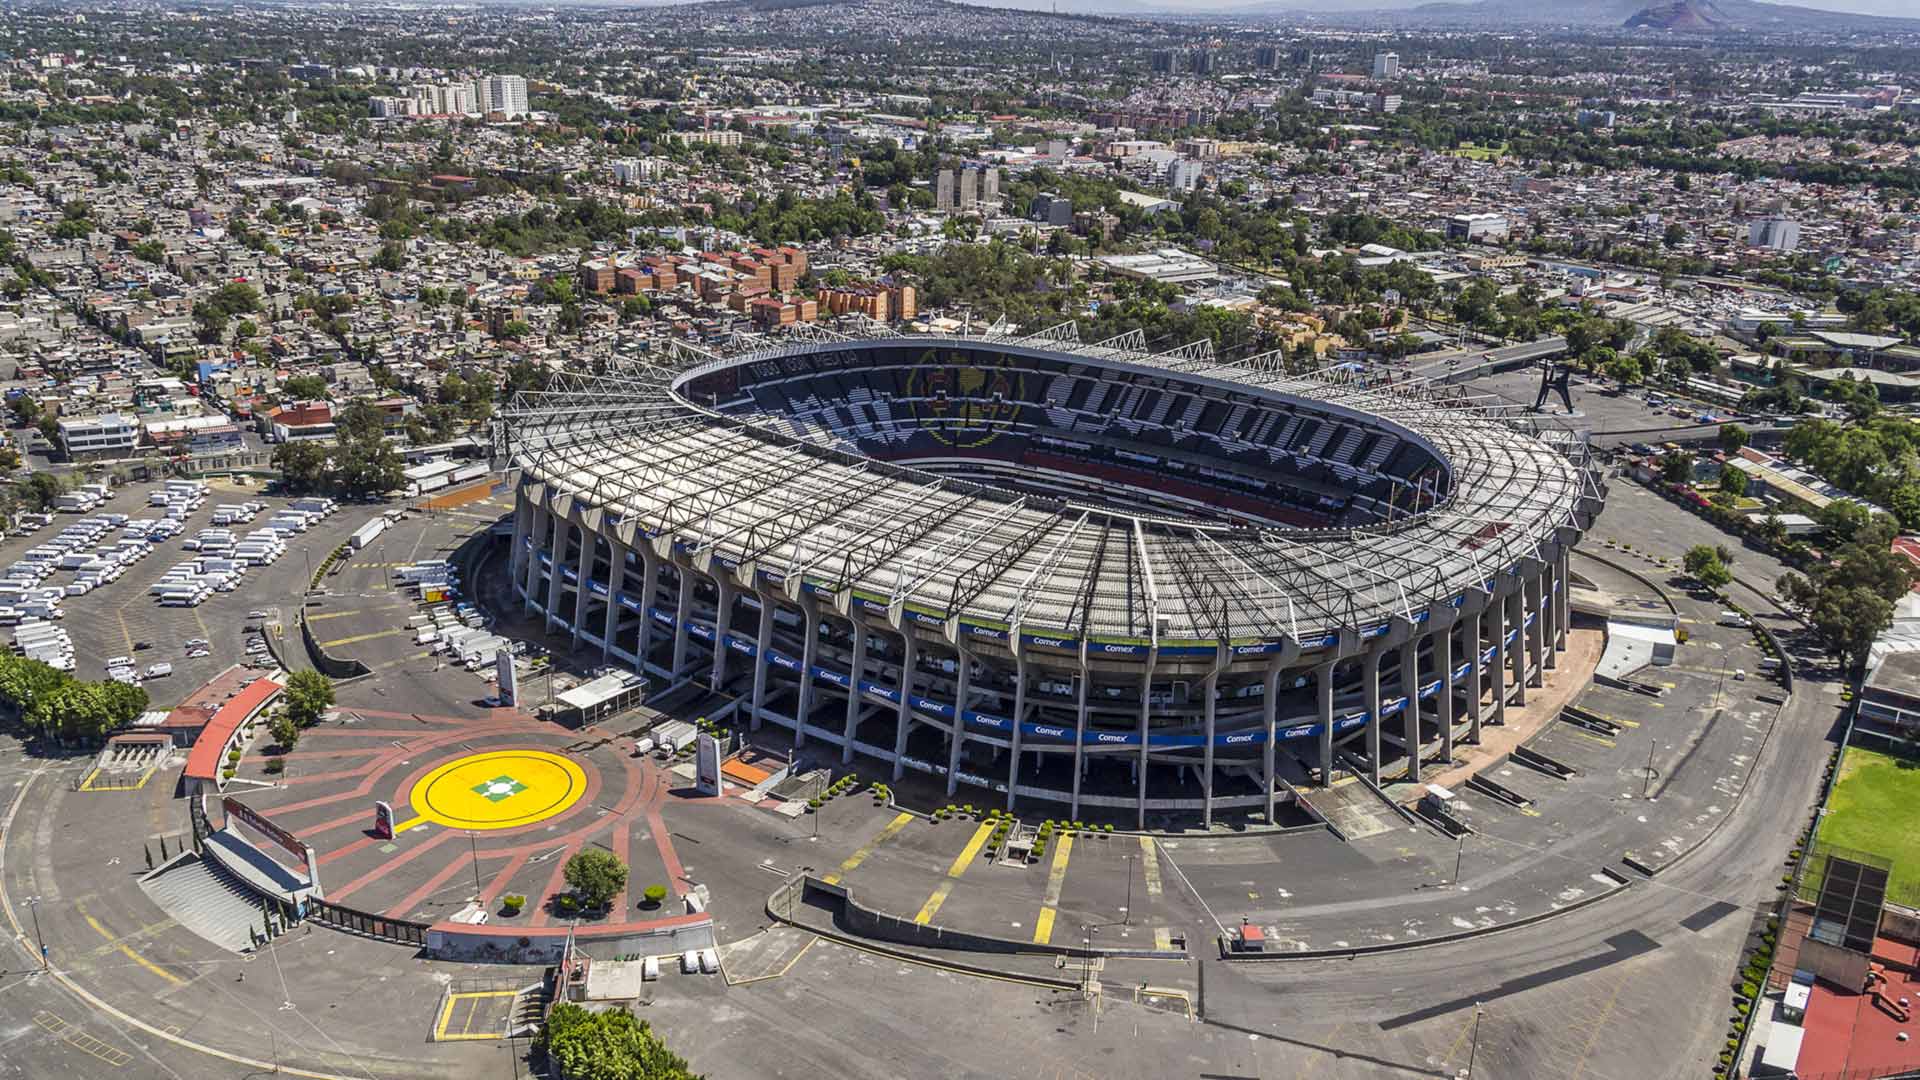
[(865, 922)]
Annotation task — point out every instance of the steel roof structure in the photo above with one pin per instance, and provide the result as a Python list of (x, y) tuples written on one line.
[(808, 514)]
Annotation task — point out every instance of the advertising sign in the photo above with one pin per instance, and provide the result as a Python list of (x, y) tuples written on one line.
[(383, 820), (706, 764), (508, 681)]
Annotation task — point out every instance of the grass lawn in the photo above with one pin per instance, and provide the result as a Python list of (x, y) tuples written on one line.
[(1480, 153), (1876, 808)]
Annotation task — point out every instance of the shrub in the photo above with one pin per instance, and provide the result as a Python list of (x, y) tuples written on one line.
[(233, 754), (566, 903), (655, 895), (813, 804), (511, 904), (227, 773), (275, 766), (1749, 990)]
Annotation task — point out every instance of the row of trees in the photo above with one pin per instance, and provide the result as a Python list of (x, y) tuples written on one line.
[(54, 703), (1848, 598), (1876, 458)]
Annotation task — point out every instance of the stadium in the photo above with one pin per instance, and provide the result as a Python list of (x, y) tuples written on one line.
[(1084, 578)]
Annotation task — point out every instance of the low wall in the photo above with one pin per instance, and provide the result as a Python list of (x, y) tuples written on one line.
[(330, 666), (543, 945), (881, 926)]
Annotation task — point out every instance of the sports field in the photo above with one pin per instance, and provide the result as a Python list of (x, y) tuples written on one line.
[(1480, 153), (1876, 808)]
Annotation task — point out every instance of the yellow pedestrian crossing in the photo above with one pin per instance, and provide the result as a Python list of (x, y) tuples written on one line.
[(866, 849), (1056, 877)]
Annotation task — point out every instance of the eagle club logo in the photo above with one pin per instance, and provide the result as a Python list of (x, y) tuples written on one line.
[(962, 400)]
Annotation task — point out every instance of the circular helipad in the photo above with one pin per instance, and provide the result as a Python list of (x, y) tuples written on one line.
[(500, 789)]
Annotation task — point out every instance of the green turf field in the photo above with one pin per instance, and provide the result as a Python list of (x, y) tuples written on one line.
[(1875, 808), (1480, 153)]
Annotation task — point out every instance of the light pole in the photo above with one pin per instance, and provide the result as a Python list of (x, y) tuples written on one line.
[(474, 847), (33, 904), (1473, 1052), (1128, 921), (1646, 782), (1458, 856)]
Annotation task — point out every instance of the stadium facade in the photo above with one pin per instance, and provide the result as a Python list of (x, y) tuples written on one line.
[(1080, 577)]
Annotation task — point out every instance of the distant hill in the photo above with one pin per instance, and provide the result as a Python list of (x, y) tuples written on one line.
[(1696, 16)]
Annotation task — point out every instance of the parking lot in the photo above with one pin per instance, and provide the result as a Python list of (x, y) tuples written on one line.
[(121, 618)]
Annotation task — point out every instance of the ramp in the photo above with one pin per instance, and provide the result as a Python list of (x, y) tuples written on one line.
[(1355, 811)]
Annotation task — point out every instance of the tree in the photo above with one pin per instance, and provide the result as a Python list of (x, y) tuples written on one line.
[(596, 876), (582, 1044), (39, 489), (365, 461), (25, 409), (304, 388), (302, 464), (1676, 468), (1849, 599), (1733, 437), (1733, 482), (1703, 563), (286, 733), (308, 694)]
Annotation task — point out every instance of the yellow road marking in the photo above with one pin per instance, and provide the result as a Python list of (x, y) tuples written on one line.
[(358, 638), (867, 848), (932, 907), (970, 852), (1591, 737), (1162, 938), (440, 1032), (407, 824), (332, 615), (1150, 864), (127, 950), (1056, 877)]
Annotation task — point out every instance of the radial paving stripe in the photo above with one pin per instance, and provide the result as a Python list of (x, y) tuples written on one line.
[(867, 848)]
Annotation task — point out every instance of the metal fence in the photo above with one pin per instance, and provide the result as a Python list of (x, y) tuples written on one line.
[(405, 931)]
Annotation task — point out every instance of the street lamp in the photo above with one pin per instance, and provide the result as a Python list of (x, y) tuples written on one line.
[(33, 904), (1128, 921)]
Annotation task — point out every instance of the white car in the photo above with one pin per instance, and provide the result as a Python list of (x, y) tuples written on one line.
[(256, 614), (119, 662), (198, 653), (123, 674)]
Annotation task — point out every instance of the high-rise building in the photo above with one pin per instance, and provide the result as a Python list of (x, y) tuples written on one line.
[(943, 190), (1775, 234), (505, 94), (1386, 65), (1267, 57), (629, 171), (1163, 61), (969, 188), (990, 184), (1050, 209), (1200, 60)]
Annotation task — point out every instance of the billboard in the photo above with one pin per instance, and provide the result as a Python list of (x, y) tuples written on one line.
[(706, 764), (509, 682)]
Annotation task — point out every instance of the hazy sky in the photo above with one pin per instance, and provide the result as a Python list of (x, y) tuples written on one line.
[(1907, 8)]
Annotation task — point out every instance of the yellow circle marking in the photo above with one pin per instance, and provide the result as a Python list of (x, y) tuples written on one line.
[(500, 789)]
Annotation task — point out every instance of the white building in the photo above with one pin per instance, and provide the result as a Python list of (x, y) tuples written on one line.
[(1775, 234), (505, 94), (106, 435), (1183, 175), (1386, 65), (629, 171), (1489, 228)]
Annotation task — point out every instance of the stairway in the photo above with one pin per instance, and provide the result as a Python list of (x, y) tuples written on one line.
[(203, 897)]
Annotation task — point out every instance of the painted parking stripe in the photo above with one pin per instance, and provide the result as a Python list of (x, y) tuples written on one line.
[(1056, 877), (866, 849), (932, 907), (960, 863), (1150, 864)]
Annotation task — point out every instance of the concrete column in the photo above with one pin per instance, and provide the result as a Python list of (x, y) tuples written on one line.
[(1534, 634), (583, 573), (517, 554), (682, 608), (1370, 681), (1410, 715), (649, 581), (1207, 688), (1323, 690), (1269, 716), (963, 664), (1443, 660), (1563, 603), (540, 530), (1140, 766), (854, 702), (762, 643), (561, 527), (1499, 610), (1019, 714), (1516, 613), (903, 715), (616, 581), (809, 647), (1549, 619), (1079, 732), (725, 594)]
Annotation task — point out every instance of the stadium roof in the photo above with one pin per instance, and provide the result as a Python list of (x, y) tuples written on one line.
[(647, 465)]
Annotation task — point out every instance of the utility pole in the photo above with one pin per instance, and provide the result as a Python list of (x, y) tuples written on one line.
[(1128, 921), (1458, 856), (1646, 782), (474, 847)]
